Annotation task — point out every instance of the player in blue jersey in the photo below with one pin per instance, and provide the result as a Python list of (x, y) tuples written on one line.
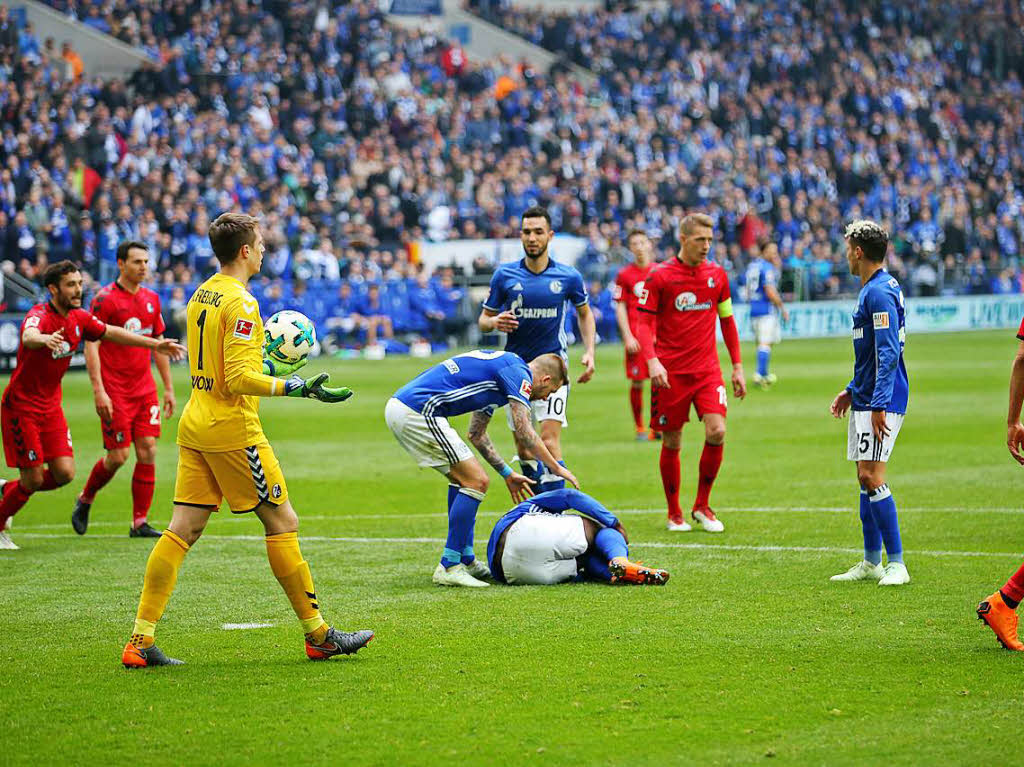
[(475, 382), (528, 301), (878, 397), (763, 294), (536, 544)]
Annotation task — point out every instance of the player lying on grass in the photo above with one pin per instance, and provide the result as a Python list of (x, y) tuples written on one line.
[(476, 382), (999, 610), (35, 431), (536, 544), (223, 452)]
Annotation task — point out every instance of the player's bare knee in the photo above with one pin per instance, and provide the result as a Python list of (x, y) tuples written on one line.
[(870, 480), (117, 458), (62, 475), (32, 479), (715, 434), (672, 440), (479, 482)]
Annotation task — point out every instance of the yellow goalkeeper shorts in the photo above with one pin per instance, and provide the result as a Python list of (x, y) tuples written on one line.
[(246, 478)]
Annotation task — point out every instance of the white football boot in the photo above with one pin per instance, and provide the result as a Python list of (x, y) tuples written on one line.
[(457, 575), (708, 521), (478, 569), (894, 574), (862, 571), (678, 527)]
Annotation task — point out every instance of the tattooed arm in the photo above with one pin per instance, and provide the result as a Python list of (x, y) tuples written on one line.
[(528, 438), (518, 485)]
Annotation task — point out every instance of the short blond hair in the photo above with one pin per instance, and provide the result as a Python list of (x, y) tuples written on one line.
[(693, 220), (554, 366)]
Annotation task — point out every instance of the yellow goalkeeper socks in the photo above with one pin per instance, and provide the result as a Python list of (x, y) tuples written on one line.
[(161, 575), (292, 572)]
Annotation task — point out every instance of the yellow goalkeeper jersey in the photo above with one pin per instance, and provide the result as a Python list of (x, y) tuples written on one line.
[(225, 359)]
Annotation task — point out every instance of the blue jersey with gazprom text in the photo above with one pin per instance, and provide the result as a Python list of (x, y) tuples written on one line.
[(538, 301), (761, 274), (879, 334), (551, 502), (476, 380)]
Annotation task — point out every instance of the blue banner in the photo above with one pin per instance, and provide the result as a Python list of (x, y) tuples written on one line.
[(416, 7)]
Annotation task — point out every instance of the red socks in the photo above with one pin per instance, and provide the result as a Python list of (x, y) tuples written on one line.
[(669, 464), (710, 461), (98, 478), (14, 497), (1014, 587), (143, 480), (636, 402)]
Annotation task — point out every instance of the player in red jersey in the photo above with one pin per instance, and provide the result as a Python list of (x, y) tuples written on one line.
[(679, 305), (124, 390), (33, 424), (999, 609), (628, 284)]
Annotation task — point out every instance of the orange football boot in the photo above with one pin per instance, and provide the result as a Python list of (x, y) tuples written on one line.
[(624, 571), (146, 657), (1002, 620)]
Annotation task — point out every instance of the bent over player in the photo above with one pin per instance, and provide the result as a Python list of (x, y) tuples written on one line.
[(475, 382), (223, 453), (124, 390), (999, 609), (877, 399), (535, 543), (680, 305), (35, 431)]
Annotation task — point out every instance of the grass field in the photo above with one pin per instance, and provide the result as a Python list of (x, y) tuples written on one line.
[(748, 653)]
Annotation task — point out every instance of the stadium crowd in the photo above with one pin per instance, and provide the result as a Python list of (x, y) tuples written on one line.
[(353, 138)]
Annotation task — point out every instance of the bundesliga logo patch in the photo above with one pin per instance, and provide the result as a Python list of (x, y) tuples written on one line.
[(526, 389), (243, 329), (880, 320)]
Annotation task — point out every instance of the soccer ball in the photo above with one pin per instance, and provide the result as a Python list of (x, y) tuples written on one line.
[(289, 337)]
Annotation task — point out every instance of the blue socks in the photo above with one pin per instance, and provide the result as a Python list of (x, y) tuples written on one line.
[(764, 355), (872, 535), (461, 519), (883, 509), (596, 567), (467, 552), (610, 543), (554, 483)]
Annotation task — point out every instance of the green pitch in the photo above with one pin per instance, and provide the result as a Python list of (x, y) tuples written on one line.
[(749, 652)]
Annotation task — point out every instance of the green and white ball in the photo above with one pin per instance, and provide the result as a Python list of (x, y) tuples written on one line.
[(289, 337)]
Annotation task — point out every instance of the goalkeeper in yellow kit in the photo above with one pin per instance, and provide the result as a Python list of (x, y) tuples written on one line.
[(223, 453)]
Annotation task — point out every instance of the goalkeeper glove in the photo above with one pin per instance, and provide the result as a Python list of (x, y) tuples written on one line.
[(313, 388), (280, 369)]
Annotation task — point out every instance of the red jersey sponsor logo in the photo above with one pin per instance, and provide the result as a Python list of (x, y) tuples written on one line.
[(243, 329)]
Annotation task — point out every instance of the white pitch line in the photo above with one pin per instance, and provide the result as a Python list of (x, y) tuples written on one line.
[(342, 517), (245, 626), (648, 544)]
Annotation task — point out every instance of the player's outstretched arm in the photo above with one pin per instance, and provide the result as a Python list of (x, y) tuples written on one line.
[(519, 486), (527, 437), (313, 388), (168, 346), (1014, 430), (33, 338)]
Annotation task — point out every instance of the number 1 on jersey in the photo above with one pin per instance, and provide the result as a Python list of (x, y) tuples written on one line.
[(201, 322)]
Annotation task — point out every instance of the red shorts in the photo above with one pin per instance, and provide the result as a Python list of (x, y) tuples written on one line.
[(670, 408), (32, 439), (636, 368), (134, 417)]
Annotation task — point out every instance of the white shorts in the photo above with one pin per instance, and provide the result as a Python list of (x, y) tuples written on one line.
[(767, 330), (551, 408), (541, 549), (861, 444), (431, 441)]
